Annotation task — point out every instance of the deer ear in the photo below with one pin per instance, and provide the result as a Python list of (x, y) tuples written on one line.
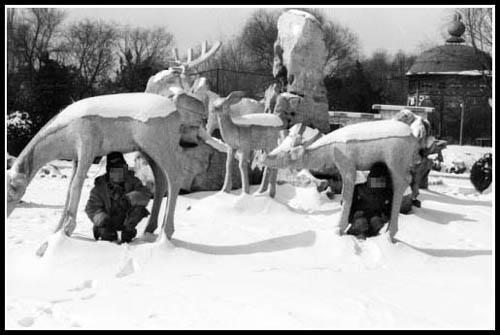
[(218, 102), (235, 97)]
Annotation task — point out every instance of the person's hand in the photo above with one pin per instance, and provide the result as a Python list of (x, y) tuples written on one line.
[(124, 201), (101, 219)]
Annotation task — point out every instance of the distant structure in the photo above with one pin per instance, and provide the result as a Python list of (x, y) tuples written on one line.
[(454, 79)]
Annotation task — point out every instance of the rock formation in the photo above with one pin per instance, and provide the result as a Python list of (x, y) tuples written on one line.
[(300, 56)]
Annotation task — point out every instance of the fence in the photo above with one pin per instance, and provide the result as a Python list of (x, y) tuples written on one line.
[(224, 81)]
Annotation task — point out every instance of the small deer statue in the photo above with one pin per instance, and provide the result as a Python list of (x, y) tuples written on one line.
[(245, 134)]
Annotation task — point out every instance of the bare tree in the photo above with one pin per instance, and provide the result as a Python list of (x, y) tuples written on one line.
[(30, 35), (145, 45), (258, 37), (478, 28), (478, 25), (90, 47), (342, 45)]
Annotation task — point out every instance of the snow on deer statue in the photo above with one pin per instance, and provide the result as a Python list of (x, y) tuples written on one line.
[(356, 147), (243, 135), (96, 126)]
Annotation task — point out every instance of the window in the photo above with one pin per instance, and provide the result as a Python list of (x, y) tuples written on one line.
[(426, 86)]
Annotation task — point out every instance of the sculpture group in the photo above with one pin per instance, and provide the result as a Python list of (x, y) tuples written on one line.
[(177, 108)]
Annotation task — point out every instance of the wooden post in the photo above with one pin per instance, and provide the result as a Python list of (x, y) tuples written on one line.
[(462, 105), (217, 75)]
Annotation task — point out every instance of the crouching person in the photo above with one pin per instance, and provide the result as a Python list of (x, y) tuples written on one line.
[(117, 201), (372, 203)]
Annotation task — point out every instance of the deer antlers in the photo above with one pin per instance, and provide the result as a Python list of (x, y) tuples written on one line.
[(189, 63)]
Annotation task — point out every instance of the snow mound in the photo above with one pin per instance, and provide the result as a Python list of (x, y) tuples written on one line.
[(467, 154), (251, 262)]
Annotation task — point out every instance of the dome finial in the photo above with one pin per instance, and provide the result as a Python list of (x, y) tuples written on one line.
[(456, 29)]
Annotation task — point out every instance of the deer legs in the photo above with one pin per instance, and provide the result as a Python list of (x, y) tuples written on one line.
[(243, 165), (399, 185), (63, 217), (348, 181), (160, 188), (168, 221), (228, 185), (68, 220), (268, 178)]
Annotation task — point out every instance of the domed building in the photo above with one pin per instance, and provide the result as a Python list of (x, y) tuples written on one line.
[(455, 79)]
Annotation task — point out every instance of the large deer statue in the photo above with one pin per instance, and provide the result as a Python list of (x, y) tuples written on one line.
[(356, 147), (96, 126), (243, 135)]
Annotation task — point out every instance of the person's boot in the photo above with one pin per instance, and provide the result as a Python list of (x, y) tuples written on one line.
[(96, 232), (376, 223), (128, 234), (108, 235)]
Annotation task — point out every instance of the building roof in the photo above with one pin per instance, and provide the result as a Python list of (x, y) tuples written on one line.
[(450, 59), (454, 57)]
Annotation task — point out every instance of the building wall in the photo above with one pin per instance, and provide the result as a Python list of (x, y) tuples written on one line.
[(446, 93)]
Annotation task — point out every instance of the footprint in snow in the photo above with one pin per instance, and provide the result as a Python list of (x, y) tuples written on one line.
[(85, 285), (87, 297), (127, 269), (27, 321)]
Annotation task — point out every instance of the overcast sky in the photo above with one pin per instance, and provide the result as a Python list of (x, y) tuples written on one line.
[(380, 27)]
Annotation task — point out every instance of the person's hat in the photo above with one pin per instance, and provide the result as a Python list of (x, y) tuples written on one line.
[(378, 169), (115, 159)]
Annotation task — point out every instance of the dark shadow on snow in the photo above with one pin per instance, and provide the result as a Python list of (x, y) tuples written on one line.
[(438, 216), (81, 237), (24, 204), (300, 240), (450, 252), (444, 198)]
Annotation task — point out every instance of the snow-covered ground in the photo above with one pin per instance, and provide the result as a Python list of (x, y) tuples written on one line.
[(251, 262)]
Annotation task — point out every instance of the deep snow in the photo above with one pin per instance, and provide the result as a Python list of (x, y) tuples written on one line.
[(246, 262)]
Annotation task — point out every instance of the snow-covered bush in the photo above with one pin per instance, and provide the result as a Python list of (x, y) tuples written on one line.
[(19, 131)]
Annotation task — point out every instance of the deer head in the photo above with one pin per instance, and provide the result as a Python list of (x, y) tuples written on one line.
[(291, 150), (222, 105), (16, 186), (178, 78), (419, 127)]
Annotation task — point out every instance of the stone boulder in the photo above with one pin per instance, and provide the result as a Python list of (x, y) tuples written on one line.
[(300, 56)]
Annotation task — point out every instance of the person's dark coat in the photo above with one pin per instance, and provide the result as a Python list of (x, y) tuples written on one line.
[(105, 199)]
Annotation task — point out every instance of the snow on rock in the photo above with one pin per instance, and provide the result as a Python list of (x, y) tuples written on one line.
[(258, 119), (140, 106), (239, 261), (467, 154)]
